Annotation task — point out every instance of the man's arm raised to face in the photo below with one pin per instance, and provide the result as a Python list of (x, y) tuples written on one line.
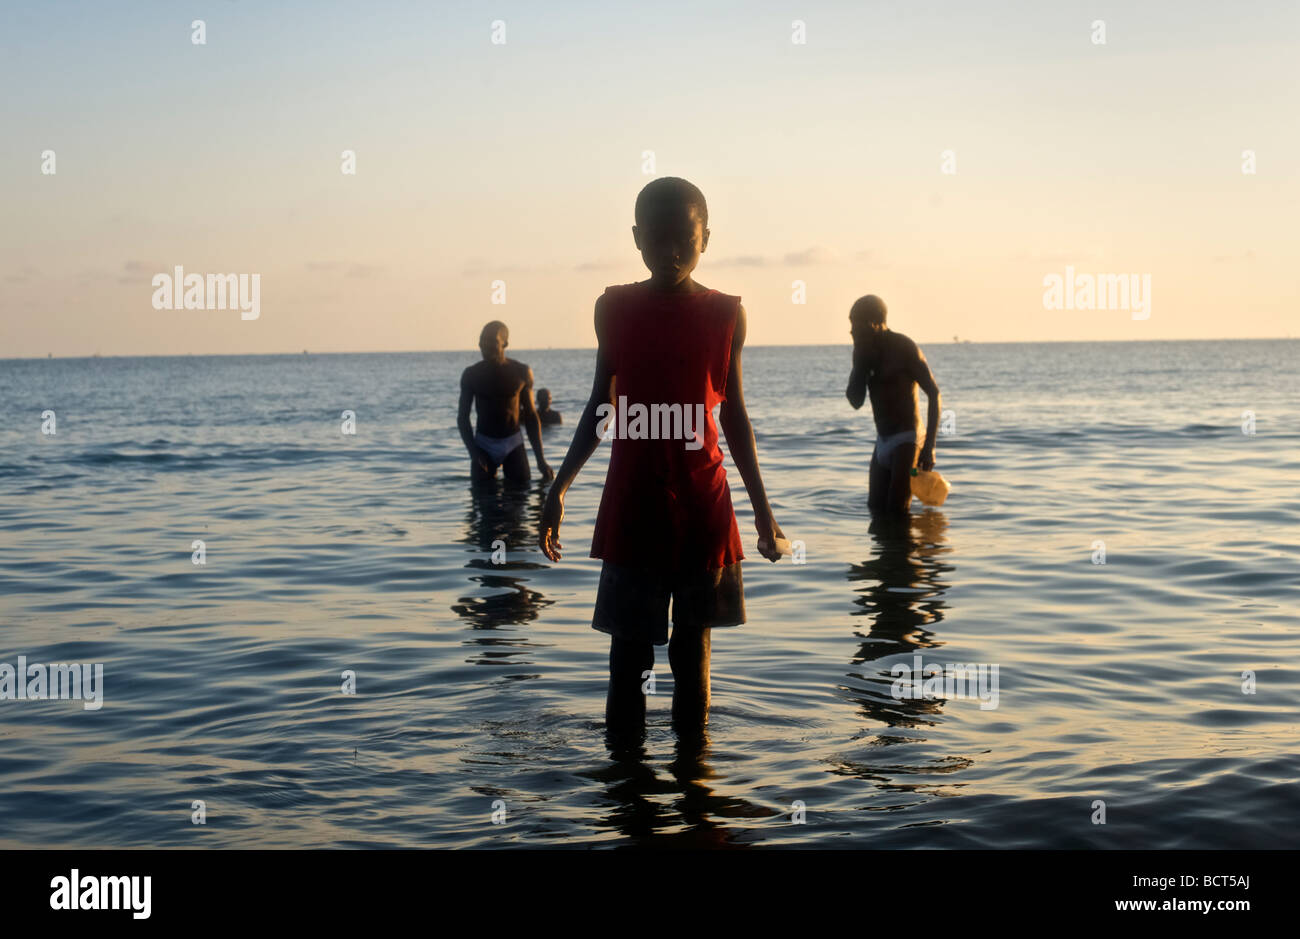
[(856, 392)]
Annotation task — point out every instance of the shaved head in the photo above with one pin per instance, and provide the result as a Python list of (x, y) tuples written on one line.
[(869, 309), (492, 341), (671, 191)]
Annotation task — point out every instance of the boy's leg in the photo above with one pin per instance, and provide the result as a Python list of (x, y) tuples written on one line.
[(632, 607), (515, 465), (625, 702), (688, 655)]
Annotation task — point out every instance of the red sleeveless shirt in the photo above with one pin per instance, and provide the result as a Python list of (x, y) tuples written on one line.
[(666, 506)]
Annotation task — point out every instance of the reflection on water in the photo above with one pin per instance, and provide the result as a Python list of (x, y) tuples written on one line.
[(903, 594), (684, 811), (901, 589), (1120, 681), (905, 583), (500, 524)]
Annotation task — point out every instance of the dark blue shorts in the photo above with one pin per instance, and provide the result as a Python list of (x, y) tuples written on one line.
[(632, 602)]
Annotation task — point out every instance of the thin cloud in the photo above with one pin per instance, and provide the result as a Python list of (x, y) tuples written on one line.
[(743, 260), (21, 276), (135, 271), (477, 267), (606, 265), (808, 256), (352, 269), (813, 255), (1058, 256)]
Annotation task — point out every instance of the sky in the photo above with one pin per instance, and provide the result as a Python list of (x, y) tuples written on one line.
[(949, 157)]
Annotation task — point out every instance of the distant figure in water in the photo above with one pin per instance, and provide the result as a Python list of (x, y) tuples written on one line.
[(501, 391), (544, 412), (668, 349), (890, 366)]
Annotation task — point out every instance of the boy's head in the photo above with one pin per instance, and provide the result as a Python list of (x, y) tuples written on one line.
[(492, 341), (866, 323), (543, 398), (672, 228)]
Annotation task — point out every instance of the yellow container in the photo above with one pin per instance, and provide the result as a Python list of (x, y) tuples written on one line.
[(929, 486)]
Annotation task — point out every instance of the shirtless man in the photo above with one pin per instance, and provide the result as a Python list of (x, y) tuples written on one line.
[(501, 390), (890, 366)]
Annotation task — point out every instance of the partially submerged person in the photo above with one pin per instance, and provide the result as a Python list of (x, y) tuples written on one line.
[(501, 392), (666, 527), (545, 414), (891, 366)]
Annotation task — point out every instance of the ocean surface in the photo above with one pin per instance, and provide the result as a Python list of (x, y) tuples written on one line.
[(480, 686)]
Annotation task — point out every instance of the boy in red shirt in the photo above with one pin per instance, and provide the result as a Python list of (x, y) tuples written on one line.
[(668, 353)]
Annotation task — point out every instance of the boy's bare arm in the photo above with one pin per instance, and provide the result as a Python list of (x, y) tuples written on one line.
[(532, 423), (920, 369), (581, 448), (856, 392), (739, 433)]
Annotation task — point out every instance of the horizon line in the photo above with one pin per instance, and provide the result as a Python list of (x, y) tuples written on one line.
[(799, 345)]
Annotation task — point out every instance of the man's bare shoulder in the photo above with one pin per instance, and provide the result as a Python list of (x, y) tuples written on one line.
[(485, 376), (904, 345), (904, 353)]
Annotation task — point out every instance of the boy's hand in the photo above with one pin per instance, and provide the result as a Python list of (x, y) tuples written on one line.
[(925, 460), (548, 529), (545, 469), (768, 532), (481, 458)]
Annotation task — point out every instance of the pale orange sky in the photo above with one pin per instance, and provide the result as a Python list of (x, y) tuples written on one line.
[(520, 162)]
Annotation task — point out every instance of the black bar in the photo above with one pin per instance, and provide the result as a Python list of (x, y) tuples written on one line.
[(331, 888)]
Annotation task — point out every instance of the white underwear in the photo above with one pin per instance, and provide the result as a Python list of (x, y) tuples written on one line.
[(885, 446), (498, 448)]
